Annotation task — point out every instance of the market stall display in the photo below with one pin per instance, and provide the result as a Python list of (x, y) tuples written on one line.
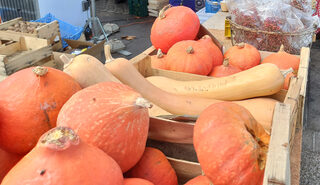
[(160, 118)]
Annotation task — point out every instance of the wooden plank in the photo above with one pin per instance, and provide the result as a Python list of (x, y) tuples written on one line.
[(186, 170), (49, 30), (5, 35), (27, 59), (170, 131), (32, 43), (10, 49), (9, 23), (295, 157), (277, 169)]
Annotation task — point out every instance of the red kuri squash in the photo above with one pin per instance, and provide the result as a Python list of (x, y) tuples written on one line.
[(224, 70), (7, 161), (136, 181), (216, 54), (244, 56), (111, 116), (199, 180), (230, 145), (30, 101), (191, 57), (284, 61), (155, 167), (158, 61), (173, 25), (60, 157)]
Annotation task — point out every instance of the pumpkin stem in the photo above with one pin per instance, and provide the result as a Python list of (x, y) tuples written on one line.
[(281, 48), (141, 102), (286, 72), (107, 53), (206, 37), (59, 138), (226, 62), (40, 70), (190, 50), (240, 45), (161, 13), (159, 53)]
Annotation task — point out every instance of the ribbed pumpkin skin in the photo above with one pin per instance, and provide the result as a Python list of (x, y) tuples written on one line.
[(199, 180), (158, 63), (224, 70), (216, 54), (105, 115), (243, 58), (283, 60), (29, 106), (180, 23), (7, 161), (287, 81), (136, 181), (227, 152), (199, 62), (76, 164), (154, 167)]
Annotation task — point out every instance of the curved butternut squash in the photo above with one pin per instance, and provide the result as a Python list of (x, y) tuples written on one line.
[(261, 80), (87, 70), (261, 108)]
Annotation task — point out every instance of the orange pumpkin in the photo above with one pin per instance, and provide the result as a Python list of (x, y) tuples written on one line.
[(136, 181), (30, 101), (283, 60), (111, 116), (158, 61), (155, 167), (7, 161), (199, 180), (189, 56), (230, 145), (216, 54), (173, 25), (287, 81), (244, 56), (60, 157), (224, 70)]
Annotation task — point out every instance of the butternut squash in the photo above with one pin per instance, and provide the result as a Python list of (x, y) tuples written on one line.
[(261, 80), (261, 108), (87, 70)]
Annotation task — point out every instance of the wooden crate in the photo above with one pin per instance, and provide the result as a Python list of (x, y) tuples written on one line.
[(26, 52), (174, 137), (48, 31)]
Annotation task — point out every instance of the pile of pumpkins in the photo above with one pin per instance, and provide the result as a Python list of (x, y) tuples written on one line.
[(175, 36), (89, 123)]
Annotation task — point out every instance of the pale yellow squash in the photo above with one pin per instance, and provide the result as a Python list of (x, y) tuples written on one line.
[(261, 80)]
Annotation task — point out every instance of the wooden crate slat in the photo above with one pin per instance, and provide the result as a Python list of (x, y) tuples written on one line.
[(10, 49), (49, 30), (277, 169), (9, 23), (32, 43), (170, 131), (186, 169), (26, 59)]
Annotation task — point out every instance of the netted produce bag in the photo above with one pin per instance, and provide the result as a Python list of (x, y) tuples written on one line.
[(268, 24)]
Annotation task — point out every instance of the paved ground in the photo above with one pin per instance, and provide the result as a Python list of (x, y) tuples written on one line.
[(310, 159), (107, 11)]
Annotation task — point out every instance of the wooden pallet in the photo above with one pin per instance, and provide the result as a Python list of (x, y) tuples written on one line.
[(48, 31), (174, 137), (26, 52)]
